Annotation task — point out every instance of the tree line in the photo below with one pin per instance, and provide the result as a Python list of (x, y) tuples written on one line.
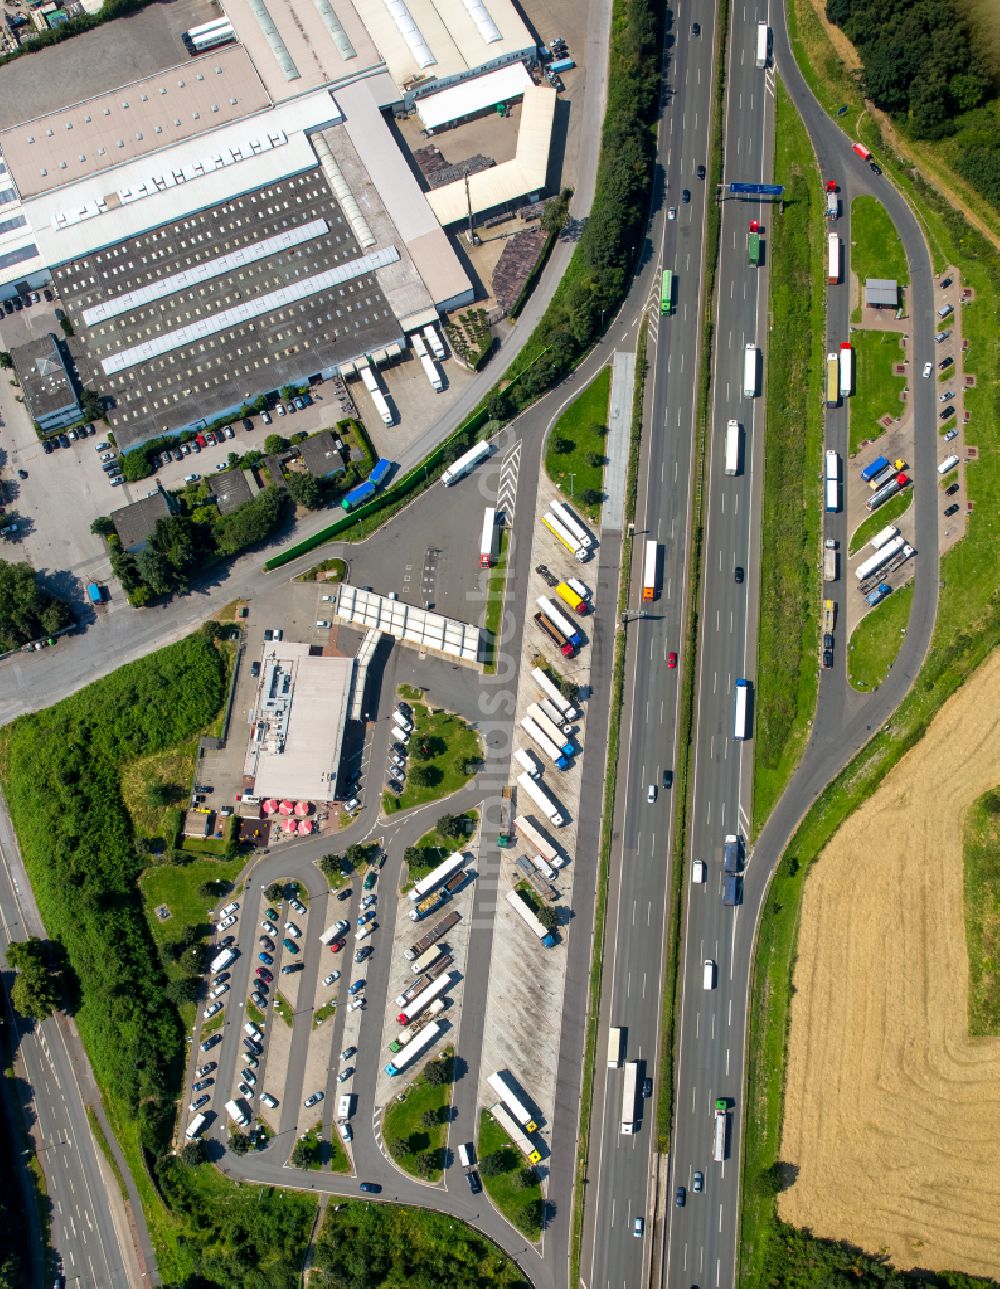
[(27, 610), (923, 64)]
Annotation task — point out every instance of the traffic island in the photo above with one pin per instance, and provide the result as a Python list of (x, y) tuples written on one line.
[(415, 1125), (514, 1188), (442, 754)]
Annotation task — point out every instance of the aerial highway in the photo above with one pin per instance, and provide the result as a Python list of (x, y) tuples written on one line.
[(703, 1237)]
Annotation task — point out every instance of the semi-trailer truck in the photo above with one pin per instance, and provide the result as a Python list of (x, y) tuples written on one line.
[(878, 595), (846, 370), (763, 35), (466, 462), (630, 1089), (411, 1031), (549, 727), (568, 596), (429, 905), (720, 1125), (832, 381), (559, 620), (581, 588), (884, 535), (616, 1046), (435, 342), (437, 876), (532, 874), (505, 1119), (563, 513), (556, 755), (882, 477), (556, 716), (832, 482), (829, 616), (563, 535), (527, 916), (829, 565), (423, 963), (424, 999), (506, 1088), (538, 841), (882, 556), (832, 200), (872, 468), (732, 447), (542, 800), (433, 935), (530, 763), (555, 635), (732, 853), (650, 562), (488, 541), (888, 489), (832, 259), (750, 371), (753, 244), (408, 1054), (551, 692)]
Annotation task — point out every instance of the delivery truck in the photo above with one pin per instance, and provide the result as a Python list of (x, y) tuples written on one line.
[(552, 693), (832, 200), (753, 244), (488, 541), (846, 370), (732, 447), (750, 359), (832, 259), (649, 570), (873, 468), (466, 462)]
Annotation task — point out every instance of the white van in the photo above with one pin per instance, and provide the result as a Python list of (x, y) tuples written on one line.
[(344, 1106), (949, 463), (698, 871), (467, 1154), (709, 974), (251, 1029), (196, 1126)]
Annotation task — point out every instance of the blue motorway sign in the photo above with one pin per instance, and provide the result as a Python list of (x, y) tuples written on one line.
[(769, 190)]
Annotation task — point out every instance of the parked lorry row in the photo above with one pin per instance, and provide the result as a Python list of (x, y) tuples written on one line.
[(887, 490), (438, 930), (557, 730), (538, 841), (559, 620), (437, 876), (408, 1034), (533, 874), (563, 535), (551, 692), (882, 556), (415, 1005), (540, 796), (408, 1054), (558, 755), (506, 1088), (521, 1140)]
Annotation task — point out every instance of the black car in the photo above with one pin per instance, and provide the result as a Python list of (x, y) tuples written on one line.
[(696, 29), (945, 283), (475, 1185), (952, 510), (225, 943), (874, 167), (345, 894), (47, 446), (701, 172), (255, 669), (947, 411), (685, 196), (64, 440), (738, 574), (951, 490), (680, 1196), (371, 1188), (827, 657), (828, 641), (647, 1089), (946, 362)]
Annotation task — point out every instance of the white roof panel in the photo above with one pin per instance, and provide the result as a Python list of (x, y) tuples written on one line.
[(471, 97)]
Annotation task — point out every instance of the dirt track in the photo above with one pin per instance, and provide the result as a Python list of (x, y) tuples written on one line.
[(892, 1113)]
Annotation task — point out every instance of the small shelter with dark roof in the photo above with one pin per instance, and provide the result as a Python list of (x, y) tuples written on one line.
[(48, 391), (134, 523), (321, 456), (881, 293)]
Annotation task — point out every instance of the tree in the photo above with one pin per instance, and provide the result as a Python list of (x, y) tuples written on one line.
[(275, 892), (437, 1073), (452, 826), (195, 1152), (304, 490), (412, 856), (595, 460), (526, 1178), (27, 611), (38, 986), (239, 1143), (546, 915), (173, 538), (425, 1163), (184, 989), (306, 1153), (275, 443), (430, 1118), (562, 447), (357, 854), (154, 571), (422, 751), (329, 865), (398, 1147), (493, 1165), (6, 362), (159, 794), (590, 497), (92, 405), (102, 526), (250, 523), (422, 776)]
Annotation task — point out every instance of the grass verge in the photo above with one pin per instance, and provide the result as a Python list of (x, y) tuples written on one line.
[(105, 1148), (574, 452), (607, 816), (514, 1187), (283, 1008), (415, 1124), (967, 627), (434, 846), (877, 639), (787, 678), (876, 389), (981, 855), (494, 601), (888, 514), (253, 1012), (876, 248), (323, 1013), (454, 754)]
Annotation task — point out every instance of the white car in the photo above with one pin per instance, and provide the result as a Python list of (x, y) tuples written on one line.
[(293, 930), (219, 990), (107, 456), (228, 922), (315, 1099), (297, 907), (651, 794), (231, 908), (280, 409), (332, 978), (268, 1100), (323, 625), (212, 1010), (698, 871), (345, 1130), (191, 478), (672, 212), (265, 416), (928, 368), (354, 1006), (227, 430)]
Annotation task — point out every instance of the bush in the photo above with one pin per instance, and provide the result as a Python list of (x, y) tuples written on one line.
[(438, 1072)]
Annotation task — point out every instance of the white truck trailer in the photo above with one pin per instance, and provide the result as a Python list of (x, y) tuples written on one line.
[(542, 800), (465, 463), (750, 360), (552, 693), (732, 447)]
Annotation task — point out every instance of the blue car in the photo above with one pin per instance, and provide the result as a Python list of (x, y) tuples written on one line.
[(371, 1188), (356, 988), (366, 917), (266, 959)]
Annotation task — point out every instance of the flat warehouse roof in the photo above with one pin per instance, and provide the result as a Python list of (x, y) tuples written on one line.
[(470, 97), (500, 184), (414, 626)]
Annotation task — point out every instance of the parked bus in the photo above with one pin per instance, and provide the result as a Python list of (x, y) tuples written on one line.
[(667, 292), (741, 713), (649, 572), (629, 1091)]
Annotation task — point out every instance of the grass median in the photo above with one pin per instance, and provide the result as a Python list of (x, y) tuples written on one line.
[(791, 514), (893, 509), (415, 1123), (981, 845), (876, 247), (877, 391), (575, 450), (444, 754), (511, 1185)]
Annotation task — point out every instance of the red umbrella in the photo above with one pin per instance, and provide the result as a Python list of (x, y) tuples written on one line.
[(285, 807), (305, 827), (303, 808), (270, 806), (289, 825)]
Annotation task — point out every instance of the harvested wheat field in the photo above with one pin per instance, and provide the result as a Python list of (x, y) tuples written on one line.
[(892, 1113)]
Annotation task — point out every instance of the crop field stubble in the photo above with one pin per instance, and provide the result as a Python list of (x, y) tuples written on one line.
[(892, 1111)]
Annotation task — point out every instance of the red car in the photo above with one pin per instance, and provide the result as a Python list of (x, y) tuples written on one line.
[(200, 440), (336, 946), (264, 974), (672, 660)]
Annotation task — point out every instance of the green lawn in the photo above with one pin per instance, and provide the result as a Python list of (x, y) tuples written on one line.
[(520, 1203), (790, 587), (494, 601), (452, 744), (418, 1148), (982, 914), (283, 1008), (582, 431), (876, 250), (876, 389), (877, 640), (887, 514), (435, 847)]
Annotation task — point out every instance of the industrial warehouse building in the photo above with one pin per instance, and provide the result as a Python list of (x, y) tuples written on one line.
[(244, 219)]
